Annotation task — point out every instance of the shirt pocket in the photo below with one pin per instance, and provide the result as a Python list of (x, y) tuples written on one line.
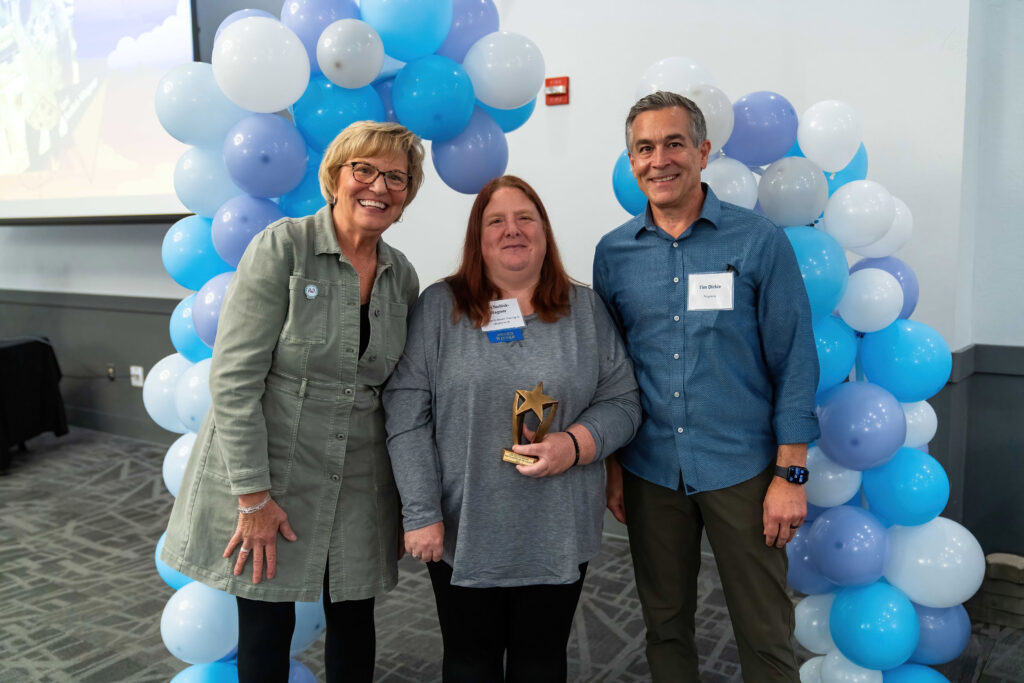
[(308, 302), (396, 321)]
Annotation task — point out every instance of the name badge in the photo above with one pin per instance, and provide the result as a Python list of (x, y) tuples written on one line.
[(710, 291), (506, 323)]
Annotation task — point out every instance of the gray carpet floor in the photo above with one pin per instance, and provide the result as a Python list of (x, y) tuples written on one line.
[(80, 598)]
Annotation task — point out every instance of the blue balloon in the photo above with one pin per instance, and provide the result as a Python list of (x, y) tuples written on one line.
[(433, 97), (899, 270), (215, 672), (306, 199), (862, 425), (823, 267), (409, 29), (172, 577), (913, 673), (945, 632), (764, 129), (206, 308), (910, 489), (471, 21), (299, 673), (908, 358), (238, 221), (240, 14), (192, 108), (184, 337), (188, 253), (383, 89), (265, 155), (848, 545), (803, 574), (510, 119), (309, 18), (836, 343), (472, 158), (874, 626), (310, 623), (202, 181), (326, 109), (625, 187)]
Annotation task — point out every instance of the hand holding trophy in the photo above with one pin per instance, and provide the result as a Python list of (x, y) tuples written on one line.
[(526, 402)]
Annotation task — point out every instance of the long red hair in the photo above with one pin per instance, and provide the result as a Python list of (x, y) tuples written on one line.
[(473, 291)]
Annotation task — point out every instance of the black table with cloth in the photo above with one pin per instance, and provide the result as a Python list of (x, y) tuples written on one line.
[(30, 400)]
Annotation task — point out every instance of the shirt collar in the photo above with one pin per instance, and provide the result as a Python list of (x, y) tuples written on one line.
[(326, 240), (710, 212)]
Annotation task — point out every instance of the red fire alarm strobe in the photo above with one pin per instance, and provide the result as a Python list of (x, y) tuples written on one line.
[(556, 90)]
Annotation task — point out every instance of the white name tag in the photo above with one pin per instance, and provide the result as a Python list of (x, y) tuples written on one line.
[(710, 291), (505, 315)]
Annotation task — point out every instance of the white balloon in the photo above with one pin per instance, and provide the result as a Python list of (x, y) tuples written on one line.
[(829, 483), (732, 182), (199, 624), (260, 64), (922, 423), (507, 69), (159, 389), (810, 671), (895, 237), (937, 564), (202, 181), (176, 460), (829, 134), (838, 669), (674, 74), (793, 191), (192, 395), (859, 213), (350, 53), (812, 625), (872, 301), (717, 110)]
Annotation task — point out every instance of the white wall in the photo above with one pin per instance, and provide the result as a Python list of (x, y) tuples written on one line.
[(901, 65)]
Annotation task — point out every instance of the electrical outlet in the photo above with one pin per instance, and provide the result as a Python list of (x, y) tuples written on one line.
[(111, 374), (138, 378)]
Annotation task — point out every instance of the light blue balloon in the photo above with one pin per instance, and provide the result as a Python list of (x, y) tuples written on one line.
[(309, 18), (265, 155), (192, 396), (433, 97), (326, 109), (409, 29), (199, 624), (625, 187), (911, 489), (159, 389), (202, 182), (510, 119), (836, 343), (310, 622), (176, 461), (908, 358), (172, 577), (472, 158), (184, 337), (215, 672), (823, 267), (188, 252), (299, 673), (306, 199), (874, 626), (192, 108), (913, 673)]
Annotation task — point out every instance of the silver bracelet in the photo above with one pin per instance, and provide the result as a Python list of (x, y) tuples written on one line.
[(255, 508)]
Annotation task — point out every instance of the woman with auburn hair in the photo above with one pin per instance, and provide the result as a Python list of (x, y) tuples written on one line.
[(507, 545)]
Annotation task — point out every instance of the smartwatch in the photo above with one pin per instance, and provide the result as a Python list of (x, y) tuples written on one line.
[(794, 474)]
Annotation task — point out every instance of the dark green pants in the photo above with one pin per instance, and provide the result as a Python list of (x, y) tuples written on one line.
[(664, 539)]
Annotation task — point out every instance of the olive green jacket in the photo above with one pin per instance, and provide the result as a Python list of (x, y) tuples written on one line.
[(297, 411)]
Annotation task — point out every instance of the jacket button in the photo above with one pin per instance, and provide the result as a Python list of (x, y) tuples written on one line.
[(376, 313), (348, 391), (341, 436), (335, 477), (373, 358)]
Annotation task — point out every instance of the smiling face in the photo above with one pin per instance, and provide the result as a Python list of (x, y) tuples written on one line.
[(664, 160), (512, 237), (364, 209)]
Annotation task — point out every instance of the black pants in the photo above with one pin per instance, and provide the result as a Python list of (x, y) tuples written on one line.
[(265, 636), (527, 627)]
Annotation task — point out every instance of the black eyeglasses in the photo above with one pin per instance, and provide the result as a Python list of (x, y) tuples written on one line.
[(367, 173)]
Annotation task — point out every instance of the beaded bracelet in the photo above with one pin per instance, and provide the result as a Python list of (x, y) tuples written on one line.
[(576, 445), (255, 508)]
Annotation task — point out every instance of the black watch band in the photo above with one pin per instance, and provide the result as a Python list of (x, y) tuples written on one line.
[(794, 474)]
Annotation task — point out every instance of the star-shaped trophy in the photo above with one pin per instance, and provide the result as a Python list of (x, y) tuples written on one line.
[(524, 402)]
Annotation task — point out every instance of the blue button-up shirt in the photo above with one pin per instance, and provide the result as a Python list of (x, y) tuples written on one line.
[(720, 389)]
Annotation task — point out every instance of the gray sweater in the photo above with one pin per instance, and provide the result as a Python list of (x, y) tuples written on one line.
[(448, 407)]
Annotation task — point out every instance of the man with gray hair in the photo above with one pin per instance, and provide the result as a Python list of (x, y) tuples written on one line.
[(710, 301)]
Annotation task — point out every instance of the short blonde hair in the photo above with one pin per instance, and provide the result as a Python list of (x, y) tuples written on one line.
[(368, 139)]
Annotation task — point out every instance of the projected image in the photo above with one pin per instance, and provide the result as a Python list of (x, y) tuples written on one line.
[(78, 134)]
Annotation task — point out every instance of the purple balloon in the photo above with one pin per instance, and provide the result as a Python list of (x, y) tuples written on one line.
[(945, 632), (902, 272), (862, 425), (206, 307), (471, 21), (383, 89), (237, 221), (849, 546), (473, 157), (309, 18), (265, 155), (803, 574), (764, 129), (240, 14)]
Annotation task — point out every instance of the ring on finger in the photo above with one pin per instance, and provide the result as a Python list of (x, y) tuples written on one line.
[(244, 551)]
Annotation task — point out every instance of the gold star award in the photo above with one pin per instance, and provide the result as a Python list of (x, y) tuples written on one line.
[(533, 401)]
